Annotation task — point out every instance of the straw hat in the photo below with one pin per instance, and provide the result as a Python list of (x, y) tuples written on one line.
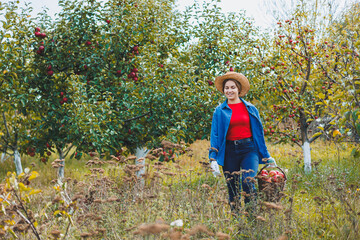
[(244, 82)]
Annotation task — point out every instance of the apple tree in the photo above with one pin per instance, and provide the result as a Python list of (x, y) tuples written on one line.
[(15, 50), (343, 69), (300, 101), (102, 77), (219, 43)]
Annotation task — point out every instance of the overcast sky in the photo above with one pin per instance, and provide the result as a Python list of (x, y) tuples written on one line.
[(255, 9)]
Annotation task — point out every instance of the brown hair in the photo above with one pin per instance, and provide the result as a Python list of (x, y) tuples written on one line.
[(238, 85)]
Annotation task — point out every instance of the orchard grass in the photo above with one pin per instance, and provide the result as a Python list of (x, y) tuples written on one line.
[(110, 202)]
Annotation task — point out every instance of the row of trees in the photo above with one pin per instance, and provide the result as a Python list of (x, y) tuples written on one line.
[(311, 76), (102, 77)]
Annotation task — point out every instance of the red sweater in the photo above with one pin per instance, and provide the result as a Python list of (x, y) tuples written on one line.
[(239, 123)]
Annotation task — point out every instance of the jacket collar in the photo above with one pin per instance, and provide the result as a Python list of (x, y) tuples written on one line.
[(225, 104)]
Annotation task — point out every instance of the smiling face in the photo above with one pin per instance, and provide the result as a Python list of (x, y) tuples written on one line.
[(232, 90)]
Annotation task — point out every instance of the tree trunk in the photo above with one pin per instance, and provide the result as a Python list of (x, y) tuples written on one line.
[(3, 157), (140, 154), (17, 161), (307, 156), (61, 169), (305, 141)]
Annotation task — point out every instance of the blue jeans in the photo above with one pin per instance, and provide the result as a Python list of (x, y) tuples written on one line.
[(240, 156)]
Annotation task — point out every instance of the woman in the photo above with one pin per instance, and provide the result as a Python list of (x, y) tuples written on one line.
[(237, 139)]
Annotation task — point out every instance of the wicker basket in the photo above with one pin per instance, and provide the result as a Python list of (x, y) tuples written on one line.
[(271, 191)]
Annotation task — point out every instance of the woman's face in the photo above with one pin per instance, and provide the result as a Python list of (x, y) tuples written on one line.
[(231, 90)]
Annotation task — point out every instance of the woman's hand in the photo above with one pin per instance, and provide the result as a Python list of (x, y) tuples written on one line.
[(215, 167), (271, 162)]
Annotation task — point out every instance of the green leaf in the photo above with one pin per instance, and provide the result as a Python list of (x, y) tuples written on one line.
[(355, 116), (347, 115), (355, 153), (358, 128)]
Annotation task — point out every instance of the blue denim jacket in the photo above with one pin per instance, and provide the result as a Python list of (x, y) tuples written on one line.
[(220, 126)]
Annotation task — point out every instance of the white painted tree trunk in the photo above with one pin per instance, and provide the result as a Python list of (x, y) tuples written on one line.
[(4, 156), (61, 169), (307, 157), (17, 161), (140, 154)]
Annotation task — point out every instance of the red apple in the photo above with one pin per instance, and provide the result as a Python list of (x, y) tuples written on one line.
[(118, 72), (280, 174), (88, 43), (61, 94), (50, 73), (231, 69), (41, 48), (37, 29), (37, 34), (107, 21), (272, 173), (65, 99), (43, 35)]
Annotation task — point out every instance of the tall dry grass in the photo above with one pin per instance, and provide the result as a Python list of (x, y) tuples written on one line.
[(104, 199)]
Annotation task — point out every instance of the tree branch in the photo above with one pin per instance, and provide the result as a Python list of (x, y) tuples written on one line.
[(327, 126), (5, 124), (68, 150), (140, 116)]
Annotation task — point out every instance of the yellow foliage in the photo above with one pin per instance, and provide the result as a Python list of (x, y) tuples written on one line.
[(21, 175), (33, 175), (336, 132), (35, 191), (317, 134), (23, 187)]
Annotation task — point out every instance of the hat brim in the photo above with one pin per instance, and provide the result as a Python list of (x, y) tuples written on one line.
[(244, 82)]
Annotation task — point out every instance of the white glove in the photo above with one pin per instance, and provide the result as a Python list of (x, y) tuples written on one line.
[(271, 162), (215, 166)]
